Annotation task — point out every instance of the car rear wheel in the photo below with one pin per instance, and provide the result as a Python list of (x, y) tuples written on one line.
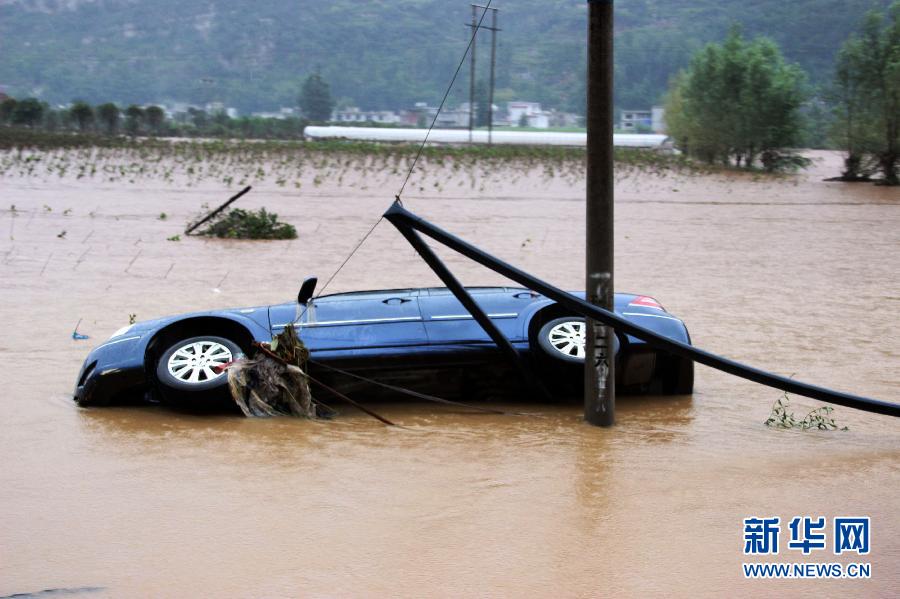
[(188, 375), (563, 339)]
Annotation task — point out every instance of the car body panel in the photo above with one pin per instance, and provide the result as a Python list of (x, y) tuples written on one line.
[(389, 330)]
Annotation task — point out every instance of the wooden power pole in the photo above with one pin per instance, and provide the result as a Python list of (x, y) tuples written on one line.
[(599, 362)]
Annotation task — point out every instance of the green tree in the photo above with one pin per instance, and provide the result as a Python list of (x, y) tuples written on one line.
[(737, 103), (155, 118), (866, 91), (7, 108), (51, 119), (82, 114), (109, 115), (28, 112), (315, 99), (134, 119), (198, 117)]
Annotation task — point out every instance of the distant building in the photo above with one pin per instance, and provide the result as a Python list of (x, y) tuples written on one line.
[(353, 114), (419, 115), (285, 112), (565, 119), (649, 120), (453, 118), (659, 119), (527, 113), (632, 120)]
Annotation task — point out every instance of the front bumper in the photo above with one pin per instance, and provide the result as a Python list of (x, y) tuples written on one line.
[(112, 371)]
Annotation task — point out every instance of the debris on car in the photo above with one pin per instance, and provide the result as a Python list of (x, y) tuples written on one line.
[(274, 382)]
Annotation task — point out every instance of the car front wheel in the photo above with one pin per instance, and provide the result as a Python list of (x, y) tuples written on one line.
[(189, 374)]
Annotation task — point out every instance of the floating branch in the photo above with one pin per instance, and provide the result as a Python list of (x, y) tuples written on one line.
[(206, 218)]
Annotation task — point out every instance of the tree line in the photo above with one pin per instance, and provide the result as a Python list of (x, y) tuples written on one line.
[(315, 102), (109, 119), (739, 103)]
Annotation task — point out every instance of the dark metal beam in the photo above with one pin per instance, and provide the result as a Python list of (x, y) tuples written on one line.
[(458, 290), (403, 219)]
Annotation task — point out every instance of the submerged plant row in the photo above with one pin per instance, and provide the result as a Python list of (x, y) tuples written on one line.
[(287, 163)]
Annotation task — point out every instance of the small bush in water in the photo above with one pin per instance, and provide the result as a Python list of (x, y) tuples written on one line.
[(247, 224), (819, 419)]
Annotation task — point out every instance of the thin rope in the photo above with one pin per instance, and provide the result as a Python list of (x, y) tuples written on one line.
[(347, 259), (418, 154), (446, 93), (417, 394)]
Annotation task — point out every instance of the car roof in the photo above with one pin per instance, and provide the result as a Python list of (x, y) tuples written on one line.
[(418, 291)]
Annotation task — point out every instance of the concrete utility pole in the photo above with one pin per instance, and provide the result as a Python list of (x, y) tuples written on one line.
[(493, 29), (472, 71), (599, 361)]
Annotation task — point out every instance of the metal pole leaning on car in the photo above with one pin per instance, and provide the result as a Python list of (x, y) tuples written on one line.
[(401, 218), (599, 363), (484, 321)]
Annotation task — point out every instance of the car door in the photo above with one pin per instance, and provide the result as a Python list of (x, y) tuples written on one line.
[(363, 320), (448, 322)]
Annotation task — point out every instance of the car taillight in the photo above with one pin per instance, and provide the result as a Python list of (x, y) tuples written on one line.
[(646, 302)]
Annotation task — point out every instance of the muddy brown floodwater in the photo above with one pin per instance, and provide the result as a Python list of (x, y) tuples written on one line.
[(795, 275)]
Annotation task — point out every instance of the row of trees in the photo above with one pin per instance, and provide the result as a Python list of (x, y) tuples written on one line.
[(109, 119), (739, 103), (83, 117), (315, 102)]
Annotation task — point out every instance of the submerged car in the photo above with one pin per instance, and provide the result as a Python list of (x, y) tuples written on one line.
[(420, 339)]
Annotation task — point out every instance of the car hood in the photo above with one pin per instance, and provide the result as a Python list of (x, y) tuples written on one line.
[(258, 314)]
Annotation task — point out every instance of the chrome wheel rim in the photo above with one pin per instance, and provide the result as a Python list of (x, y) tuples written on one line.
[(196, 362), (568, 338)]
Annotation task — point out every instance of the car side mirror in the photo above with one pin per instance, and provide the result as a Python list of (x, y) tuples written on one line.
[(306, 290)]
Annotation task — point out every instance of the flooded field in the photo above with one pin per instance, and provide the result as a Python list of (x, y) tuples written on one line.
[(795, 275)]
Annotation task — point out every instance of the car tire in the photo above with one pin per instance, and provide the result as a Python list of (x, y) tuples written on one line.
[(185, 372), (676, 375), (563, 339)]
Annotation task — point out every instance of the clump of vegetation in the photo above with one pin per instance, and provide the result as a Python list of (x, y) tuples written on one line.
[(249, 224), (739, 103), (819, 419), (274, 382), (174, 238), (866, 94)]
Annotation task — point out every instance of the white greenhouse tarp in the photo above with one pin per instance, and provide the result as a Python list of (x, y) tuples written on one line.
[(454, 136)]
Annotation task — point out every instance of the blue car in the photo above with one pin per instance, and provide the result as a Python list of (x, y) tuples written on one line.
[(421, 339)]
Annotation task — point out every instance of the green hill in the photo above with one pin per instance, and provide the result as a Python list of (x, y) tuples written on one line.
[(377, 54)]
